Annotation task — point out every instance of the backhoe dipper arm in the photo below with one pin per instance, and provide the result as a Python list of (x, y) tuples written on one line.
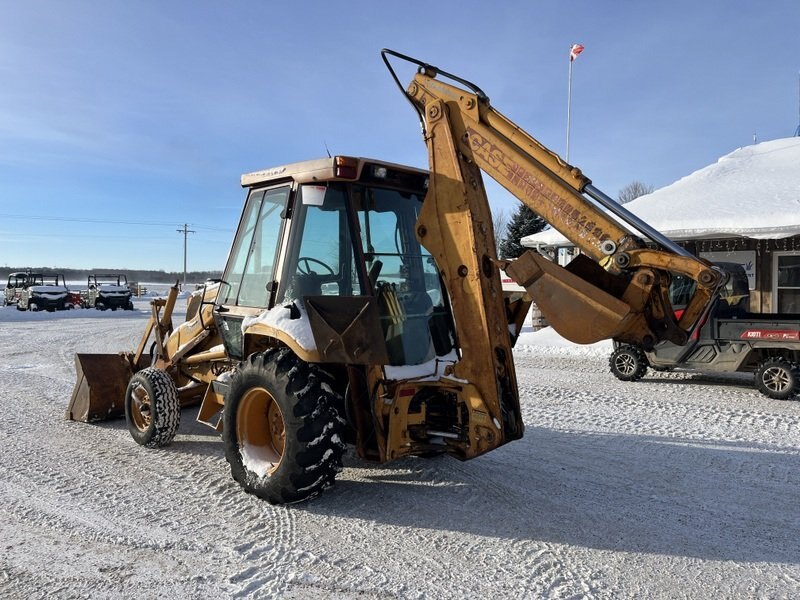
[(617, 289), (455, 226)]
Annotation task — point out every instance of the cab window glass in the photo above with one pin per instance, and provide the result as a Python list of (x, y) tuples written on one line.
[(681, 290), (321, 259), (403, 276), (251, 264)]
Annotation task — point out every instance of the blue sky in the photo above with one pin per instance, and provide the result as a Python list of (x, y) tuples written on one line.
[(120, 121)]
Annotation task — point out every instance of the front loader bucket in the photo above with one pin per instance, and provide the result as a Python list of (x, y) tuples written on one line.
[(99, 392), (577, 309)]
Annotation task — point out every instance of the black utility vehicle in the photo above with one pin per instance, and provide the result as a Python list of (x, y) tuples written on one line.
[(729, 339)]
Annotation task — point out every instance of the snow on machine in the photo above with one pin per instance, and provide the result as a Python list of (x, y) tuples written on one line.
[(44, 292), (107, 292)]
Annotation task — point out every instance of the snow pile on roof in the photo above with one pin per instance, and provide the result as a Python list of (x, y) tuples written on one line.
[(752, 192)]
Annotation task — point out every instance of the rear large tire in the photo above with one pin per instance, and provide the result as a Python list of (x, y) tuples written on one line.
[(282, 431), (628, 363), (152, 408), (778, 378)]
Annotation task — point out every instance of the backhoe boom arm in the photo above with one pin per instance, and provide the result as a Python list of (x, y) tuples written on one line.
[(617, 289)]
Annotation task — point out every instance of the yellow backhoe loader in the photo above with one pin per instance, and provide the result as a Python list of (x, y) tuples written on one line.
[(362, 304)]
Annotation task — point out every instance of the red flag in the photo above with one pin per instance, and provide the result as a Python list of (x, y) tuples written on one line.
[(574, 51)]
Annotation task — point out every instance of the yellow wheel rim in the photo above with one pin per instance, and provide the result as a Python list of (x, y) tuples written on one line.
[(260, 431), (141, 408)]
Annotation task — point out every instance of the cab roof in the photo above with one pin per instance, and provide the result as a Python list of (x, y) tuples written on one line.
[(334, 168)]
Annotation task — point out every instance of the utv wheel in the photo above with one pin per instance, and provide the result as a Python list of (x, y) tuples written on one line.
[(281, 428), (152, 408), (778, 378), (628, 363)]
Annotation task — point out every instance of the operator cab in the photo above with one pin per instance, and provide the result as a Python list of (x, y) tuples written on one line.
[(347, 233)]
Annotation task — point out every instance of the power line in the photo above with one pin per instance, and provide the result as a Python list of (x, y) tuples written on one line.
[(93, 236), (107, 221), (84, 220)]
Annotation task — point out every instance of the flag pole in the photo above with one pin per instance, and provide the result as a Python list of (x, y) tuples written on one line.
[(797, 132), (574, 51), (569, 100)]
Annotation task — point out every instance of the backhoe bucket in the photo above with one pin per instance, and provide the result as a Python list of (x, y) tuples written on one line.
[(577, 309), (99, 392)]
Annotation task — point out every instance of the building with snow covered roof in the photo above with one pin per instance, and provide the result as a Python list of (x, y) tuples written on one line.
[(745, 208)]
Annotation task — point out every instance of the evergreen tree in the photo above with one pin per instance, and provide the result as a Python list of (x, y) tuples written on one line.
[(523, 222)]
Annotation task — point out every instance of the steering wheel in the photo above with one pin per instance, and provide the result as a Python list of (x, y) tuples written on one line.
[(304, 265)]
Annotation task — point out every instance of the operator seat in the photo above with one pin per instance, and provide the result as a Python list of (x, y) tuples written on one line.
[(306, 284)]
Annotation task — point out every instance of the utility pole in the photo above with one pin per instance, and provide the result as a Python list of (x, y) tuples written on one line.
[(185, 231)]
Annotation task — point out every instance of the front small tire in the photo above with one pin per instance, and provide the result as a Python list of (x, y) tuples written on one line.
[(778, 379), (281, 429), (628, 363), (152, 408)]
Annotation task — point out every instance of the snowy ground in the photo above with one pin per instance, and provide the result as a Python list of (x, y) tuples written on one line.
[(676, 486)]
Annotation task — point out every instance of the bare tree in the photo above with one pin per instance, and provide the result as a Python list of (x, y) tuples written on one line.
[(633, 190), (499, 223)]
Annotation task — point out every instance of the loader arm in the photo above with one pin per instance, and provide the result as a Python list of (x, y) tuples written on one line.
[(617, 289)]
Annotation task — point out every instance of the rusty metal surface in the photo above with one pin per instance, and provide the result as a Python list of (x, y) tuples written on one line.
[(578, 310), (555, 191), (347, 330), (99, 392), (522, 165)]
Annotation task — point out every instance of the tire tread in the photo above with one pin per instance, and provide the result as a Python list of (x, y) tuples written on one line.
[(313, 458)]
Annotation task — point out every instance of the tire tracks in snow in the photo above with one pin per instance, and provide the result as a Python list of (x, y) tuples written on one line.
[(542, 569), (263, 558), (594, 404), (582, 507)]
